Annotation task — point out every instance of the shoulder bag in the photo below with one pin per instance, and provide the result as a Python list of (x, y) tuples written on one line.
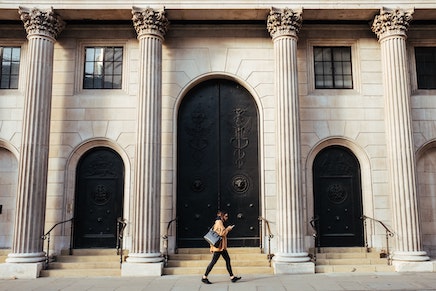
[(213, 238)]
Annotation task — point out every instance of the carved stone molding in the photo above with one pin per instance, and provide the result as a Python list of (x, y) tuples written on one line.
[(284, 22), (150, 21), (37, 22), (392, 22)]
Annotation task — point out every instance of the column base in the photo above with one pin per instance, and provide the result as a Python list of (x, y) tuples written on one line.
[(419, 256), (426, 266), (26, 257), (291, 257), (293, 263), (20, 271), (141, 270), (144, 258), (294, 268)]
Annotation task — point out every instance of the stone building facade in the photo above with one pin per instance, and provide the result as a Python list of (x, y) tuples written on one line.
[(286, 115)]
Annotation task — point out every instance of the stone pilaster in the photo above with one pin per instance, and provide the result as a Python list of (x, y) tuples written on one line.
[(391, 26), (283, 26), (42, 28), (151, 26)]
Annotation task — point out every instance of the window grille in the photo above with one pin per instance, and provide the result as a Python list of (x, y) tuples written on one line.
[(333, 68), (10, 67), (103, 68)]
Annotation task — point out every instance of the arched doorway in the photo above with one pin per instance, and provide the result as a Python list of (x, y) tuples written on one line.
[(8, 196), (217, 163), (338, 198), (98, 198)]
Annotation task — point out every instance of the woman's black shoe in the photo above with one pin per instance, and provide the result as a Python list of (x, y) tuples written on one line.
[(234, 279), (205, 281)]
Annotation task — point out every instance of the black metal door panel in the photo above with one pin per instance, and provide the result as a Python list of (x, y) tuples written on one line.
[(99, 199), (217, 163), (338, 198)]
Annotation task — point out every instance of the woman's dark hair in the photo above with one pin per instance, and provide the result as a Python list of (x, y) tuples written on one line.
[(221, 213)]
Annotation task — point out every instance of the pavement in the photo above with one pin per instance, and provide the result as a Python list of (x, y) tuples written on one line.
[(312, 282)]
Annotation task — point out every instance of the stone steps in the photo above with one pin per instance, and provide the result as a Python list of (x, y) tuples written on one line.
[(4, 255), (85, 263), (195, 260), (345, 260)]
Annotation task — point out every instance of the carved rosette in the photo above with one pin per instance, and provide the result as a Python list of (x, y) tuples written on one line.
[(392, 22), (37, 22), (150, 21), (284, 22)]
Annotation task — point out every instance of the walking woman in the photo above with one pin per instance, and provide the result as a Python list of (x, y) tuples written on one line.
[(222, 249)]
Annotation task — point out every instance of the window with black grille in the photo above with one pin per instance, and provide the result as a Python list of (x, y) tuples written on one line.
[(10, 67), (333, 67), (425, 58), (103, 68)]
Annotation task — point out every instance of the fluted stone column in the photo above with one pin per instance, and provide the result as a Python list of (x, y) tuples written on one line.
[(42, 28), (283, 26), (151, 26), (390, 27)]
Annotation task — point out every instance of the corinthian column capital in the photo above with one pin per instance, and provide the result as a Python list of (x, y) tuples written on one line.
[(392, 22), (284, 22), (150, 21), (38, 22)]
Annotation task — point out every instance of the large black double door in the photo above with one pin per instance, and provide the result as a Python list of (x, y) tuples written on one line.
[(217, 163)]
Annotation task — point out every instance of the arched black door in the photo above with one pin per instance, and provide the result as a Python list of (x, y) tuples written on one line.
[(217, 163), (338, 198), (99, 198)]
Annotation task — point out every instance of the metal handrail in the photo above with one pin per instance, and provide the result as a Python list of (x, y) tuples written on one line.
[(314, 224), (270, 236), (165, 242), (121, 225), (47, 236), (389, 233)]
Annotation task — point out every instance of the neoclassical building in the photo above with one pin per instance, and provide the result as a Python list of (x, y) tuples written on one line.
[(312, 117)]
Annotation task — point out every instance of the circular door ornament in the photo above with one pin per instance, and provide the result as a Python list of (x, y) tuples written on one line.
[(336, 193), (197, 185), (101, 195), (240, 183)]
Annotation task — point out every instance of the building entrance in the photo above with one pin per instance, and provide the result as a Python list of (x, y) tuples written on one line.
[(98, 199), (217, 163), (338, 198)]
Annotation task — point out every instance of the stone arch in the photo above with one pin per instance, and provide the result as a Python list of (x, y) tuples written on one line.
[(70, 174), (8, 191), (426, 184), (220, 178), (366, 180), (257, 99)]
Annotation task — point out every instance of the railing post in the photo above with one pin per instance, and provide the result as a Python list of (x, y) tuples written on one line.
[(389, 233), (70, 252), (270, 236), (313, 222), (47, 236), (121, 225), (165, 242), (261, 234), (365, 234)]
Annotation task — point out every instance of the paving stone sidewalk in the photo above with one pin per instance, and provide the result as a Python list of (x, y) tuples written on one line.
[(312, 282)]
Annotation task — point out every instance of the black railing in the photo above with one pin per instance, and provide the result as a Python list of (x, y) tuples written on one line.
[(121, 225), (388, 232), (46, 236), (314, 224), (270, 236), (165, 242)]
